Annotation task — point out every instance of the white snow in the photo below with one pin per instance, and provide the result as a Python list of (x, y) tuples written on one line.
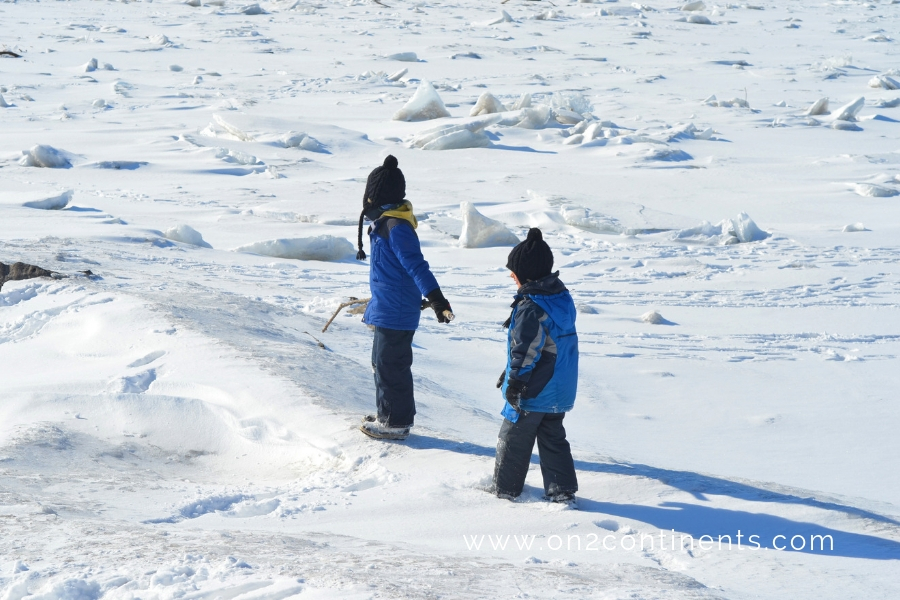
[(186, 234), (44, 156), (479, 231), (425, 104), (322, 248), (173, 423)]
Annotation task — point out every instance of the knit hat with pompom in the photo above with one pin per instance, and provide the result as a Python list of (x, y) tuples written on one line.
[(532, 259), (385, 188)]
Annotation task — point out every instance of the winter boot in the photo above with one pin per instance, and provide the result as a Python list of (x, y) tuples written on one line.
[(562, 498), (374, 428)]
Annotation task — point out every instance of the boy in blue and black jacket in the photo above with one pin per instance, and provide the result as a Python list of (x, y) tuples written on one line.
[(541, 376)]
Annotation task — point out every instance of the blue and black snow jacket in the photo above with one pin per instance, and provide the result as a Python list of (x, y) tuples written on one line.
[(542, 348), (398, 275)]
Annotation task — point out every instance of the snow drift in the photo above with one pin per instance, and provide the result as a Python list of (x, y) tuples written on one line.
[(324, 247), (186, 235)]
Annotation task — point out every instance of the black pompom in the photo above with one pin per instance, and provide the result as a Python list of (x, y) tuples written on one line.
[(534, 235), (390, 162)]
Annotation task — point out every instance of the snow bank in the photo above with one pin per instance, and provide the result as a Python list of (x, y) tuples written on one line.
[(425, 105), (741, 229), (186, 235), (324, 247), (871, 190), (53, 203), (44, 156), (479, 231)]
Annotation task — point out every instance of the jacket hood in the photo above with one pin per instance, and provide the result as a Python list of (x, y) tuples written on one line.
[(543, 287)]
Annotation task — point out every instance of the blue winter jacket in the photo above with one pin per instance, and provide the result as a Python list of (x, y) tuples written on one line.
[(542, 348), (398, 276)]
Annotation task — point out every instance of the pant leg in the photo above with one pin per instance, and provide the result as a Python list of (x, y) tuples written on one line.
[(392, 359), (557, 465), (514, 446)]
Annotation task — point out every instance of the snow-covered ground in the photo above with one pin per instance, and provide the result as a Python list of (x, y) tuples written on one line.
[(175, 425)]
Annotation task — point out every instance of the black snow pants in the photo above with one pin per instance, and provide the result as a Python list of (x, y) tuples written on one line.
[(392, 359), (514, 446)]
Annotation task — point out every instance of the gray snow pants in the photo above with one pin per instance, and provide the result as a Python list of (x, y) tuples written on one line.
[(514, 447)]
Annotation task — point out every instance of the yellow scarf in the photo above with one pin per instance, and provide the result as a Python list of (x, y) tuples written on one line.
[(405, 212)]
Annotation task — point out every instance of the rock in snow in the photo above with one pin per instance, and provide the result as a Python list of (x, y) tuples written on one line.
[(425, 105), (479, 231), (324, 247), (186, 235), (44, 156), (18, 271)]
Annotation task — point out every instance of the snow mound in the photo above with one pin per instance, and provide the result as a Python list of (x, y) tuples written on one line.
[(425, 105), (583, 218), (871, 190), (404, 57), (44, 156), (53, 203), (692, 6), (324, 247), (854, 227), (479, 231), (653, 317), (186, 235), (883, 81), (729, 231), (304, 141)]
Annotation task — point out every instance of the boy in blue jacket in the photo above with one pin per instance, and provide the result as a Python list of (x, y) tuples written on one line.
[(541, 376), (398, 277)]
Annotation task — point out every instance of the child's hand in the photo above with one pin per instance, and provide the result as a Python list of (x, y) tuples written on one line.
[(514, 392)]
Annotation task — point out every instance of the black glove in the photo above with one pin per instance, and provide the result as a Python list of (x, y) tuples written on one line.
[(440, 306), (514, 392), (501, 380)]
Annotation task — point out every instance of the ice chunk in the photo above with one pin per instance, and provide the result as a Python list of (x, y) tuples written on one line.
[(503, 18), (883, 81), (251, 9), (403, 57), (583, 218), (90, 65), (524, 101), (236, 132), (575, 102), (53, 203), (479, 231), (44, 156), (455, 137), (845, 126), (745, 230), (566, 116), (699, 20), (324, 247), (458, 140), (534, 117), (692, 6), (293, 139), (425, 105), (159, 40), (487, 104), (853, 227), (849, 111), (398, 75), (3, 103), (186, 235), (819, 107), (871, 190), (236, 156)]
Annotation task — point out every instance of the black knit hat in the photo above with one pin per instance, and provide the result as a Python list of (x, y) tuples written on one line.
[(532, 259), (385, 187)]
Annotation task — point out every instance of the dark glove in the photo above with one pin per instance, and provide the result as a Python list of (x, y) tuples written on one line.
[(441, 306), (501, 380), (514, 392)]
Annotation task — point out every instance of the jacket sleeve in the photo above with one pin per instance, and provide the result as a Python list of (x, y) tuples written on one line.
[(526, 340), (405, 244)]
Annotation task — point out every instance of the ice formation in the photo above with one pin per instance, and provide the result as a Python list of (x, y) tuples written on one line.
[(186, 235), (479, 231), (44, 156), (324, 248), (425, 105), (52, 203)]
